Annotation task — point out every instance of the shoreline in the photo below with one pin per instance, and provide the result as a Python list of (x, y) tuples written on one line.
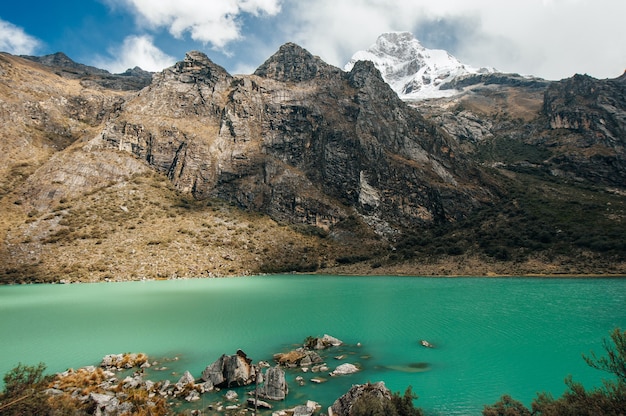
[(545, 276)]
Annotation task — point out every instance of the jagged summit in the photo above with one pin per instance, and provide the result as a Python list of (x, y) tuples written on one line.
[(196, 67), (132, 79), (413, 71), (62, 61), (295, 64)]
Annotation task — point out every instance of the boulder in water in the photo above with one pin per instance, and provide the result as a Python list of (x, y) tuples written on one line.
[(344, 369), (275, 386), (230, 370)]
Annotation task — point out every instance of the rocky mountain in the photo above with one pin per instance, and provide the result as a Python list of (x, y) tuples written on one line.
[(413, 71), (299, 140), (302, 166), (133, 79)]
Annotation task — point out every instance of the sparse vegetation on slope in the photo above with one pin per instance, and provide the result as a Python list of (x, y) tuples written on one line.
[(144, 228)]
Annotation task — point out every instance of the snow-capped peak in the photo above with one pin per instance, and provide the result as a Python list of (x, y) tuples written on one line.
[(413, 71)]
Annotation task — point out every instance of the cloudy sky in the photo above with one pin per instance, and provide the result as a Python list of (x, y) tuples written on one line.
[(552, 39)]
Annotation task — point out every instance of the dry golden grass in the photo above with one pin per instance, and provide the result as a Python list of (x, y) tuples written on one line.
[(84, 381), (142, 228), (290, 357), (514, 102)]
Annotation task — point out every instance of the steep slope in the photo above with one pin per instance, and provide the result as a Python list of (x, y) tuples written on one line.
[(572, 129), (413, 71), (300, 140), (302, 166), (587, 129), (324, 156), (559, 149), (132, 79), (41, 114)]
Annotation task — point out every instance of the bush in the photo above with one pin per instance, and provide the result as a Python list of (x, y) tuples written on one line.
[(24, 391), (610, 399), (370, 404), (506, 406), (404, 404)]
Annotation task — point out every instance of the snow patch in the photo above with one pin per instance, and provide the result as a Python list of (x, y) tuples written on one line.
[(413, 71)]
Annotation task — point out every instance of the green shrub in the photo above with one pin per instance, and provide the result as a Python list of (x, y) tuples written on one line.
[(370, 404), (24, 391), (609, 399)]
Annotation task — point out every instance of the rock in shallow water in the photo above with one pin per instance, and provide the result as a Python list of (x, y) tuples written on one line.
[(345, 369), (230, 370), (275, 386)]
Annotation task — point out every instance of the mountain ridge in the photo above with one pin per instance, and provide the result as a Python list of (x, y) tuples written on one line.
[(132, 79), (302, 166), (413, 71)]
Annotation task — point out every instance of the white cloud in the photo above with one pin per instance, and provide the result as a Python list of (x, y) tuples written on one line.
[(214, 22), (15, 41), (548, 38), (136, 51)]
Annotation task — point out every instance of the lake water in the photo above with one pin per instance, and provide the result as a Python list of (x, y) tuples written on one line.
[(492, 335)]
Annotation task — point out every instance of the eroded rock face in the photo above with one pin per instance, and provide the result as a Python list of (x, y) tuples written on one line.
[(294, 64), (589, 116), (275, 386), (230, 370), (300, 140)]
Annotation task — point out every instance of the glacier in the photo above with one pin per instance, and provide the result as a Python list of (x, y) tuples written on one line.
[(413, 71)]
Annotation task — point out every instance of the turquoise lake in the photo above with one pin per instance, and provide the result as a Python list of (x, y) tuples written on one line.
[(492, 336)]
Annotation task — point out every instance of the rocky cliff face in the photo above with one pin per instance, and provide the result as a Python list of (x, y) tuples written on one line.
[(302, 166), (572, 129), (587, 121), (300, 140)]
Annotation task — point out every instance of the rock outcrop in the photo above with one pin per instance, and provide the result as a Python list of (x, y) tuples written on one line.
[(327, 341), (300, 140), (344, 369), (364, 180), (588, 120), (376, 392), (274, 385), (230, 371)]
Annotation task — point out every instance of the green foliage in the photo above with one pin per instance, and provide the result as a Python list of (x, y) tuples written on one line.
[(370, 404), (24, 391), (506, 406), (404, 404), (535, 216), (503, 149), (615, 361), (609, 399)]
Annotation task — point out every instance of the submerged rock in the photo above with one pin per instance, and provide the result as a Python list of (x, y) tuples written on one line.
[(231, 396), (259, 403), (411, 368)]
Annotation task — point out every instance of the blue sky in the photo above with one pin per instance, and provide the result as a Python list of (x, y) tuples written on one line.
[(549, 38)]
